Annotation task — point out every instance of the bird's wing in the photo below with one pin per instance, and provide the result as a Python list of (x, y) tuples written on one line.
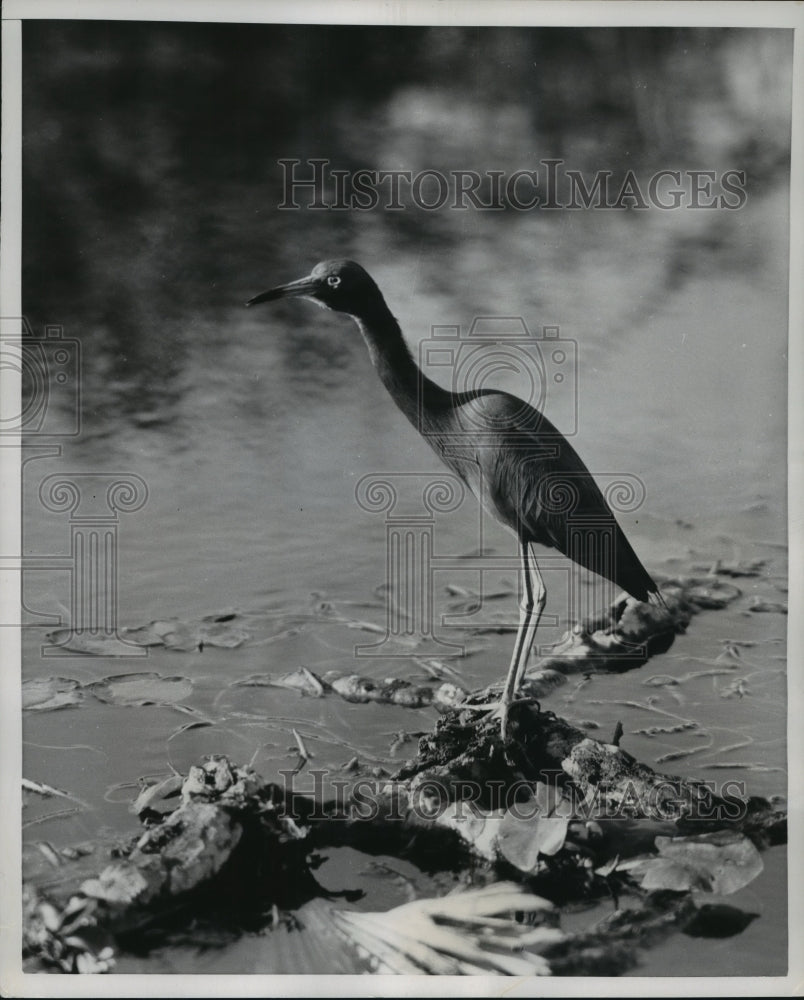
[(539, 486)]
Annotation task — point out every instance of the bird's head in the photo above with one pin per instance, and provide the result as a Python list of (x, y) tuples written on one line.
[(341, 285)]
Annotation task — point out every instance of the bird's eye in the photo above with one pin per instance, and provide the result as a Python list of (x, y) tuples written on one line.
[(333, 281)]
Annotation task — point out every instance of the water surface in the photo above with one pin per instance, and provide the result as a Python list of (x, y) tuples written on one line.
[(252, 428)]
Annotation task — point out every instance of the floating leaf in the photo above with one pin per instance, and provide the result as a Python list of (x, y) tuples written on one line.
[(661, 873), (517, 842), (679, 727), (720, 862), (522, 840), (256, 680), (141, 689), (182, 636), (88, 643), (143, 636), (46, 694), (551, 801), (222, 635), (153, 795), (773, 607), (304, 681), (711, 593), (734, 569), (551, 834), (731, 858), (358, 689)]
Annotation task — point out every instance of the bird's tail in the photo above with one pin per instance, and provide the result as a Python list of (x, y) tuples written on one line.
[(632, 576), (657, 600)]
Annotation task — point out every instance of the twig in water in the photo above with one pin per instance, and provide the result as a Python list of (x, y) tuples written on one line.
[(55, 815), (42, 789), (304, 754)]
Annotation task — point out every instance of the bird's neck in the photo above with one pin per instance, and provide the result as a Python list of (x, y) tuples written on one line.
[(417, 396)]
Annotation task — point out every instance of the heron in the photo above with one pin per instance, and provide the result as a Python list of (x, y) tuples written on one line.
[(522, 470)]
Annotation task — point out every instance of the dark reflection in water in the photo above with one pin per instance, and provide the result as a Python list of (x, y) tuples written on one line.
[(151, 177), (316, 359)]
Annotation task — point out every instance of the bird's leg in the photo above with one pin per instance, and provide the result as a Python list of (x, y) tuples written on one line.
[(531, 606), (534, 597)]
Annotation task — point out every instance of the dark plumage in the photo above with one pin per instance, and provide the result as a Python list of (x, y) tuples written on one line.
[(521, 468)]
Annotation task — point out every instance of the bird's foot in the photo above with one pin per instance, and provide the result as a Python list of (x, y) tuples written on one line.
[(501, 710), (493, 710), (484, 706)]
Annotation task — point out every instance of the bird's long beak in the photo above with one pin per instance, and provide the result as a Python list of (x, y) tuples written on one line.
[(304, 286)]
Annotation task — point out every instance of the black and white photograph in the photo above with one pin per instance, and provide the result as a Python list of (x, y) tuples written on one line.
[(400, 465)]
